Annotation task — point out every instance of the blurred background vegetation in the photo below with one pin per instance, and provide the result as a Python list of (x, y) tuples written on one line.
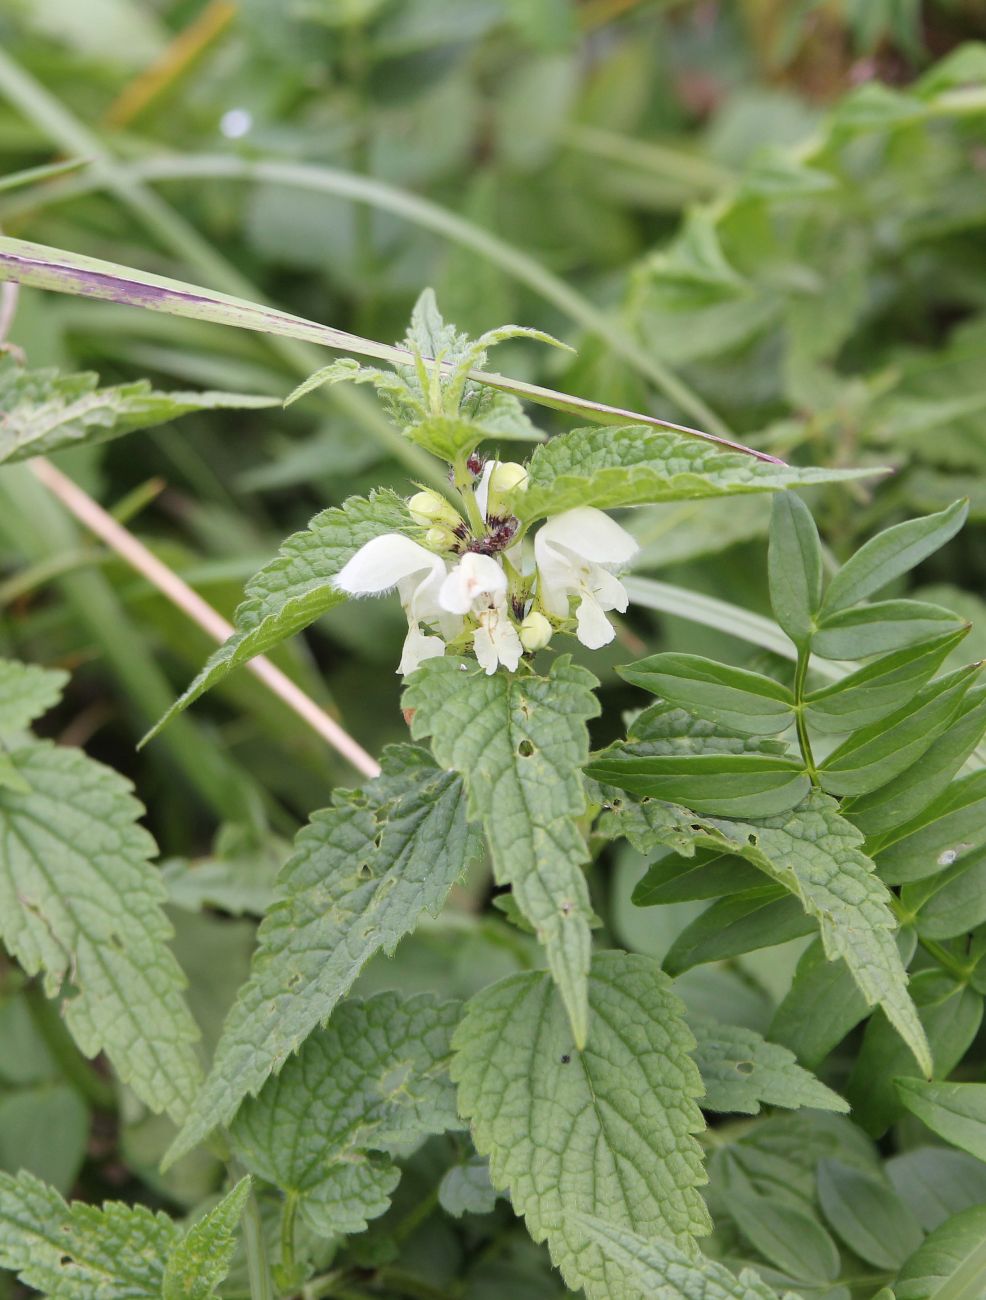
[(761, 217)]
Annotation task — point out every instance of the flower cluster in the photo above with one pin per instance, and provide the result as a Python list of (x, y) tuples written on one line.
[(472, 581)]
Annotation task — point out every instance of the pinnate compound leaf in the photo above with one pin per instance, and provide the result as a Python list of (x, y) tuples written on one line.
[(202, 1258), (363, 872), (940, 835), (636, 465), (519, 743), (42, 411), (606, 1131), (747, 702), (955, 1111), (658, 1270), (871, 693), (867, 1214), (950, 1264), (81, 904), (892, 553), (794, 566), (908, 794), (296, 588), (78, 1251), (27, 692), (741, 1070), (876, 754), (880, 628), (358, 1090), (739, 785)]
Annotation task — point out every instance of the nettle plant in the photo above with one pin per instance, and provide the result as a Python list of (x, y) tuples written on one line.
[(826, 798)]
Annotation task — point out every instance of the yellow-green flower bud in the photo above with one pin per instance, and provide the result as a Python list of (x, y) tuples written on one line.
[(429, 508), (506, 476), (535, 631), (439, 538)]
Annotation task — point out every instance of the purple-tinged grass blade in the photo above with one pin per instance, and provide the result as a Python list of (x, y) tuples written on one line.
[(50, 268)]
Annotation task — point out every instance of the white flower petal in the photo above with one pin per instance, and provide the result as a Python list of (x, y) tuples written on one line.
[(477, 580), (593, 628), (482, 487), (417, 648), (591, 534), (496, 640), (382, 563), (608, 591)]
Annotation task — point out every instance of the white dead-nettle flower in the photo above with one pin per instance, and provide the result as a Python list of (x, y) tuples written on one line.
[(478, 586), (575, 553), (395, 561)]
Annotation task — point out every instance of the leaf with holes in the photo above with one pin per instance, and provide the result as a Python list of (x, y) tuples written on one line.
[(78, 1251), (607, 1131), (519, 743), (741, 1070)]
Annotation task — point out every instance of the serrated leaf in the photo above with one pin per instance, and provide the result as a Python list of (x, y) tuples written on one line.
[(950, 1264), (794, 566), (742, 785), (946, 830), (747, 702), (42, 411), (814, 852), (27, 692), (951, 1014), (357, 1091), (635, 465), (955, 1111), (81, 904), (344, 370), (606, 1131), (78, 1251), (658, 1270), (867, 1214), (363, 872), (871, 693), (296, 588), (744, 922), (466, 1189), (877, 753), (741, 1070), (906, 795), (519, 743), (884, 626), (199, 1262), (890, 554)]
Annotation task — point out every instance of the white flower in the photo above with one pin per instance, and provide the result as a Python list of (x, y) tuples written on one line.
[(474, 583), (572, 552), (478, 585), (395, 561)]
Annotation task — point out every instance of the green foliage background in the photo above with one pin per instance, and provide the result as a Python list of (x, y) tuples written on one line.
[(763, 219)]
